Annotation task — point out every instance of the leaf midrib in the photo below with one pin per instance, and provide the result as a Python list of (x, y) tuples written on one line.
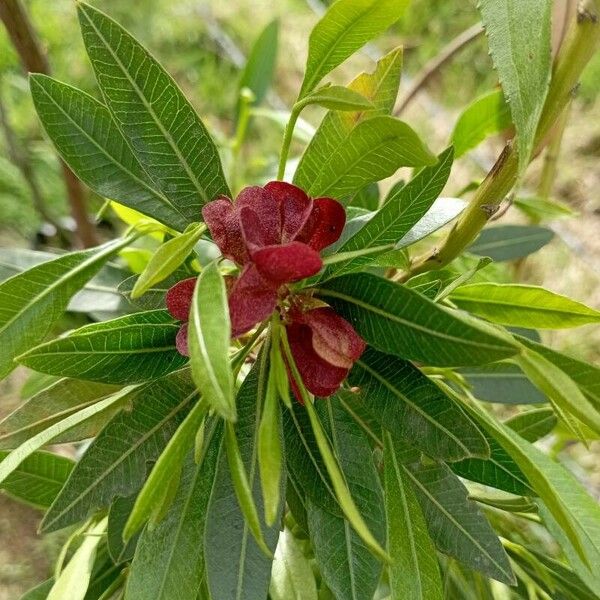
[(163, 199), (450, 518), (149, 108), (409, 324), (110, 249), (124, 456), (415, 407)]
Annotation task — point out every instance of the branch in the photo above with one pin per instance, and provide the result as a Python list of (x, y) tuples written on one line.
[(578, 47), (33, 59), (437, 62)]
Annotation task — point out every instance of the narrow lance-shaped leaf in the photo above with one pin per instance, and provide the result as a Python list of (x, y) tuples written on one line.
[(487, 115), (396, 217), (576, 513), (397, 320), (342, 493), (236, 568), (346, 26), (169, 560), (31, 302), (50, 405), (85, 135), (260, 66), (348, 568), (533, 425), (269, 449), (27, 448), (559, 387), (455, 523), (126, 350), (292, 572), (116, 462), (380, 87), (414, 573), (510, 242), (523, 306), (165, 472), (374, 149), (74, 579), (209, 336), (160, 125), (412, 408), (585, 375), (519, 40), (38, 479), (166, 259)]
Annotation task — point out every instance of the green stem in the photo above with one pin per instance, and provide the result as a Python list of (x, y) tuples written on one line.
[(287, 139), (549, 169), (576, 51), (247, 98)]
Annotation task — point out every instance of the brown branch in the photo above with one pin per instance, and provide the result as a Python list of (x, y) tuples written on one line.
[(437, 62), (20, 159), (33, 59)]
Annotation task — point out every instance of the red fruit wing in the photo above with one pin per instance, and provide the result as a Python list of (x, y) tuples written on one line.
[(288, 262), (179, 298)]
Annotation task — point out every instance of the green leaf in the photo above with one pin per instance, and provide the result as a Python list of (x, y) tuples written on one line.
[(116, 462), (165, 472), (586, 572), (258, 72), (397, 320), (380, 87), (559, 387), (167, 259), (487, 115), (304, 462), (292, 577), (31, 302), (269, 449), (576, 513), (99, 293), (367, 198), (533, 425), (338, 97), (539, 209), (169, 559), (126, 350), (585, 375), (243, 491), (38, 479), (523, 306), (159, 123), (373, 150), (154, 297), (412, 408), (398, 215), (340, 486), (413, 573), (510, 242), (236, 568), (499, 470), (455, 523), (27, 448), (209, 336), (345, 562), (119, 550), (90, 142), (519, 40), (346, 26), (504, 383), (52, 404), (74, 580)]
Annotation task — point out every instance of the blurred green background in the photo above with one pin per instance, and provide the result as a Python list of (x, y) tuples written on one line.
[(203, 43)]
